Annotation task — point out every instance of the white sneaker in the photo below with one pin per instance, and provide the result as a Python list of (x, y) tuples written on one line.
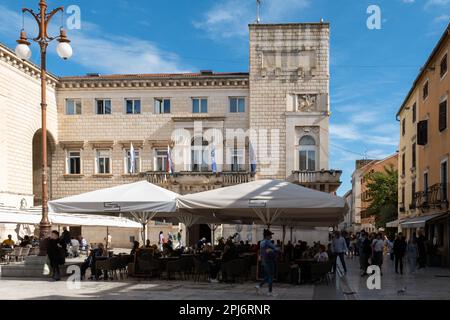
[(271, 294), (257, 289), (213, 281)]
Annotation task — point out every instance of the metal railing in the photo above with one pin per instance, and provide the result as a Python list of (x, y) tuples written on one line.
[(434, 197)]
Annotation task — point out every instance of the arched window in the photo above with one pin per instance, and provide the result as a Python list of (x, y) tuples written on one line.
[(198, 161), (307, 153)]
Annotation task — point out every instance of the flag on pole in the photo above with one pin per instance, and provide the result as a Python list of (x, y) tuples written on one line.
[(252, 160), (169, 161), (132, 159), (213, 159)]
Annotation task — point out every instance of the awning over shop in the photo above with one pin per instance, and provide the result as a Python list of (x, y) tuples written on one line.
[(393, 224), (32, 216), (419, 222)]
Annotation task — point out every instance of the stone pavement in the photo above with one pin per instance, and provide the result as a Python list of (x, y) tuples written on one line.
[(424, 284), (431, 283)]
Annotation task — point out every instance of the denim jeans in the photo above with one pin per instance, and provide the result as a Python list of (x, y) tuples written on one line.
[(268, 271)]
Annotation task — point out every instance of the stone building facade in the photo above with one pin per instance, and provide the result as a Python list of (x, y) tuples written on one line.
[(95, 119)]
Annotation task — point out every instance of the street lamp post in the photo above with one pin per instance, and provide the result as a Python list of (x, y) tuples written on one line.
[(23, 51)]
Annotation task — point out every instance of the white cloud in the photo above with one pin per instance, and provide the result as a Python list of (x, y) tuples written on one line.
[(431, 3), (102, 52), (408, 1), (442, 18), (230, 18)]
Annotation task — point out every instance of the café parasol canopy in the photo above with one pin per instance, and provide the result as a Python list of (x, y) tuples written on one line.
[(270, 202), (142, 200)]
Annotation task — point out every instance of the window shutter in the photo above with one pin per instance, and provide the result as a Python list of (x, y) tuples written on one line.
[(422, 133), (443, 116)]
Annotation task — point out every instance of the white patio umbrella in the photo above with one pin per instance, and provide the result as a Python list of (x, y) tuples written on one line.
[(142, 200), (269, 202)]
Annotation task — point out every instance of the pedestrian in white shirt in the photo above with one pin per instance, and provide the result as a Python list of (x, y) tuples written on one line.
[(377, 250), (339, 248)]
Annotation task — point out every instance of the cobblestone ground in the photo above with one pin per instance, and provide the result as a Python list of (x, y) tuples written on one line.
[(431, 283)]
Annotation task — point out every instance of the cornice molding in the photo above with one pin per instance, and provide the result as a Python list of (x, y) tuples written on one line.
[(26, 67), (153, 83)]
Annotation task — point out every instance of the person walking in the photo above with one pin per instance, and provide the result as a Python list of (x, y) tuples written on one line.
[(377, 251), (422, 258), (56, 254), (365, 250), (399, 252), (339, 248), (412, 253), (390, 247), (268, 253)]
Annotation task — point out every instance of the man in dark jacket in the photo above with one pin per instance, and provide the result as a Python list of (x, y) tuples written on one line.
[(422, 258), (399, 252), (65, 236), (365, 252), (56, 254)]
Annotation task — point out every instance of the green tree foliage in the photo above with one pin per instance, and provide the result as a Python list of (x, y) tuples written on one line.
[(382, 189)]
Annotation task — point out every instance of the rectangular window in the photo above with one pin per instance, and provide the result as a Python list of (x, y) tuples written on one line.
[(73, 162), (307, 160), (162, 106), (444, 180), (237, 160), (413, 195), (413, 155), (443, 66), (73, 106), (237, 105), (422, 132), (425, 90), (133, 106), (403, 127), (199, 105), (403, 196), (443, 115), (414, 113), (128, 167), (403, 164), (103, 162), (161, 161), (103, 106)]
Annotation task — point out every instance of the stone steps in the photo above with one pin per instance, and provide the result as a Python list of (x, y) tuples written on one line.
[(32, 267)]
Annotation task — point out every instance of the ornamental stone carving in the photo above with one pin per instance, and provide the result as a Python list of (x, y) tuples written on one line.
[(307, 102)]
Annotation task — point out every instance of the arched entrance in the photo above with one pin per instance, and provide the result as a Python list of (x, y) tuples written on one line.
[(37, 165)]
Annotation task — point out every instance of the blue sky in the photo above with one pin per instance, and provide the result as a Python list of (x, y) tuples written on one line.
[(371, 70)]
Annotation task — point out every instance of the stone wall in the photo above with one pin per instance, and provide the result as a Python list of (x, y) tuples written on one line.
[(21, 119)]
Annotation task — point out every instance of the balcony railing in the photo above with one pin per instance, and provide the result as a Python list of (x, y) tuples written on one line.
[(323, 176), (435, 197), (196, 178)]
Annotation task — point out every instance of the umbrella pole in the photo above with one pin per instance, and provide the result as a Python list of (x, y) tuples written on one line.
[(107, 232), (284, 237)]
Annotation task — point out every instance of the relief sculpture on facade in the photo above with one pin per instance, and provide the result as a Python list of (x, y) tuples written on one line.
[(306, 102)]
